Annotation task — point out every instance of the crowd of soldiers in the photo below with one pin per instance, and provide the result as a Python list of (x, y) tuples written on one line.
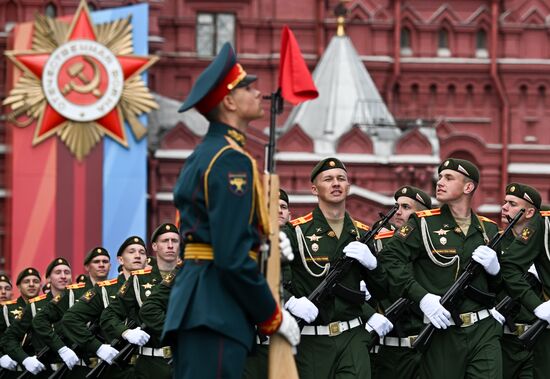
[(95, 327)]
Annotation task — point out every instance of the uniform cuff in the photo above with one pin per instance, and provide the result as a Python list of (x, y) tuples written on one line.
[(271, 325), (417, 292)]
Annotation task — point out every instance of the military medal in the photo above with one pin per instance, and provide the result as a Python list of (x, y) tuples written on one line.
[(315, 247), (147, 293), (443, 240)]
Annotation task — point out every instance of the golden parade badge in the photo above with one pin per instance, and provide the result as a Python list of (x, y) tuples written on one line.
[(80, 81)]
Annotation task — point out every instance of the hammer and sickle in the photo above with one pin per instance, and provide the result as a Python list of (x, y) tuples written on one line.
[(76, 70)]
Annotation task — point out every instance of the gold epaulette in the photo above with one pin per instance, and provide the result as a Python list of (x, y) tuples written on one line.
[(142, 271), (38, 298), (76, 285), (429, 212), (302, 220), (108, 282), (545, 213), (360, 225), (483, 218), (9, 302), (383, 235)]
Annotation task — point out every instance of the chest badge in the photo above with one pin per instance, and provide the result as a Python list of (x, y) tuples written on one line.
[(441, 232), (443, 240), (314, 238), (331, 234), (315, 247), (319, 230)]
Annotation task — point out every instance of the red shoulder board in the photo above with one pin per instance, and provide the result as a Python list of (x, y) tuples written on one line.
[(142, 272), (38, 298), (485, 219), (76, 285), (9, 302), (429, 212), (108, 282), (386, 234), (360, 225), (545, 213), (302, 220)]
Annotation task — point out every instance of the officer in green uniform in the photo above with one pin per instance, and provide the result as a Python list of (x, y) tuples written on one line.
[(423, 260), (58, 273), (6, 288), (335, 341), (530, 247), (219, 294), (396, 358), (131, 256), (97, 264), (152, 356), (28, 283)]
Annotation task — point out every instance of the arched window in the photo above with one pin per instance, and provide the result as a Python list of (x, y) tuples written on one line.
[(443, 43), (481, 44), (51, 10)]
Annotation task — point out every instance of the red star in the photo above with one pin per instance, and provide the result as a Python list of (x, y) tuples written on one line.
[(50, 120)]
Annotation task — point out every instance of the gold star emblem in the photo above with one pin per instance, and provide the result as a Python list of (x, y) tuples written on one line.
[(17, 313), (331, 164), (441, 232), (136, 240), (167, 227), (314, 238), (512, 189)]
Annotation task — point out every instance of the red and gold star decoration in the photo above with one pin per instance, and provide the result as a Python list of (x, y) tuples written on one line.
[(81, 81)]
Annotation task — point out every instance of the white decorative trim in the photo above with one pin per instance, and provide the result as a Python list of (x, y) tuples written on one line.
[(164, 196), (172, 154), (529, 168), (489, 208), (357, 158)]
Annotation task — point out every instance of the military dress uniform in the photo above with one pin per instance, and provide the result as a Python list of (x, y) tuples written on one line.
[(425, 256), (335, 344), (11, 310)]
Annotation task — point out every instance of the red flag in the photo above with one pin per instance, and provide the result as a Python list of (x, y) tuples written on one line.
[(295, 79)]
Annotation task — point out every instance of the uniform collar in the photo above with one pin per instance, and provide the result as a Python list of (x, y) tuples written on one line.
[(221, 129), (451, 222), (321, 224)]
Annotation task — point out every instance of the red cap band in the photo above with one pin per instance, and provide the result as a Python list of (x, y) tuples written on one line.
[(233, 77)]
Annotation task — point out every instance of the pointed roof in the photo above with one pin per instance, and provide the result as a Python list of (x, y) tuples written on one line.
[(347, 97)]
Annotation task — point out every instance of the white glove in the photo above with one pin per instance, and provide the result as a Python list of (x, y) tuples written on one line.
[(68, 356), (285, 248), (543, 311), (106, 353), (33, 365), (533, 270), (289, 329), (8, 363), (380, 324), (136, 336), (497, 316), (361, 253), (435, 312), (487, 257), (303, 308), (363, 288)]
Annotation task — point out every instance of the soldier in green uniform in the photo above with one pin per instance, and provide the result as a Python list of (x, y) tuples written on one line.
[(335, 341), (529, 247), (97, 264), (152, 356), (219, 294), (396, 358), (131, 256), (6, 288), (423, 260), (28, 283), (58, 274)]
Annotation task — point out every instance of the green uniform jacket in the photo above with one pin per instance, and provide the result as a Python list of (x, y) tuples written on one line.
[(20, 330), (128, 302), (52, 313), (217, 203), (529, 247), (413, 273), (325, 247), (88, 310), (11, 310)]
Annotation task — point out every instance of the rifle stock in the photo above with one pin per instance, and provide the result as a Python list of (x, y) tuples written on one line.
[(450, 299)]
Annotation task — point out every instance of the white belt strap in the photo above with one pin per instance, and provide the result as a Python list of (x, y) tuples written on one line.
[(333, 329), (398, 342), (469, 318)]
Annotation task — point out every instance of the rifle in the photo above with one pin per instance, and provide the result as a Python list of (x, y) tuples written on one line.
[(451, 298), (393, 313), (39, 355), (331, 282), (530, 336), (117, 343)]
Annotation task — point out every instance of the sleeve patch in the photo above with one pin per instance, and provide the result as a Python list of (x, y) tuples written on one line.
[(88, 296), (405, 231), (526, 234), (238, 183)]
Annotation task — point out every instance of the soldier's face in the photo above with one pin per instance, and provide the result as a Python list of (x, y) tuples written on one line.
[(60, 277), (133, 257), (452, 185), (407, 206), (284, 212), (331, 186), (98, 268), (29, 286), (167, 247), (5, 291), (247, 103), (512, 205)]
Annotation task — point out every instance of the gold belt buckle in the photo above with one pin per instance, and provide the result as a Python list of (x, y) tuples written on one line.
[(167, 352), (412, 339), (520, 328), (93, 362), (334, 329), (466, 319)]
